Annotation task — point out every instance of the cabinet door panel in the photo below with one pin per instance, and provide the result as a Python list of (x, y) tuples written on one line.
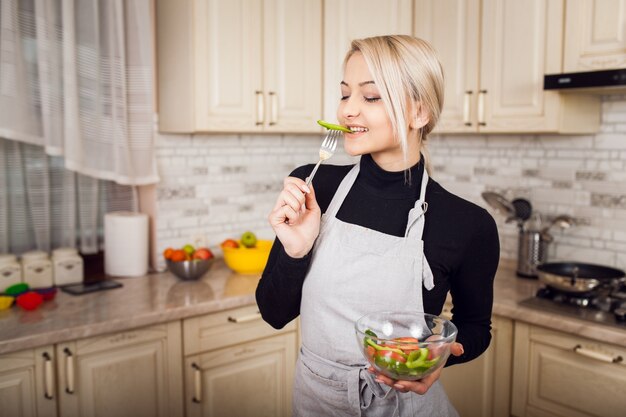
[(345, 20), (595, 35), (247, 380), (22, 384), (134, 373), (452, 28), (229, 64), (521, 42), (481, 387), (293, 59)]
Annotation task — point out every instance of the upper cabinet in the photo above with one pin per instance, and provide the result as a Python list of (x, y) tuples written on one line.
[(345, 20), (495, 55), (595, 35), (239, 66)]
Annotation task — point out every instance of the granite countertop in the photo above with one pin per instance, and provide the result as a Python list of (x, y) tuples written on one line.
[(161, 297)]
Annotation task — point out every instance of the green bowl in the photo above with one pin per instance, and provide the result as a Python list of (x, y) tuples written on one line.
[(17, 289)]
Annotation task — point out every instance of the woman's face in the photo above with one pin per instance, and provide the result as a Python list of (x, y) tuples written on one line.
[(362, 110)]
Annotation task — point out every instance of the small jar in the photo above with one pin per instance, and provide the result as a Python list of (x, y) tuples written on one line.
[(67, 266), (37, 269), (10, 271)]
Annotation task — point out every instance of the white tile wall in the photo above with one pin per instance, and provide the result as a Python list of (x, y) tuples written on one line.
[(218, 186)]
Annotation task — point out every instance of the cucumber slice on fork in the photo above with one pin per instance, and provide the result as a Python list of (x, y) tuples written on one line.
[(331, 126)]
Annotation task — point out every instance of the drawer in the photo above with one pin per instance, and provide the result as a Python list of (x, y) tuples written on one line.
[(227, 328)]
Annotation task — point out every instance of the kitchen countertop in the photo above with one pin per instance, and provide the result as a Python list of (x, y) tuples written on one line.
[(161, 297)]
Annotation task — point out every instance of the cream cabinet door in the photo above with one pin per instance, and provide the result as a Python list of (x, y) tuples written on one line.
[(134, 373), (560, 375), (481, 388), (252, 379), (521, 41), (452, 28), (292, 54), (27, 383), (229, 65), (345, 20), (595, 35)]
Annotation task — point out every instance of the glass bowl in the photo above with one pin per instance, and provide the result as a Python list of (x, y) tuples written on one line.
[(248, 260), (189, 270), (405, 345)]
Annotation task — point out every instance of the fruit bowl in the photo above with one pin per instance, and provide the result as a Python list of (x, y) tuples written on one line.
[(405, 345), (189, 270), (245, 260)]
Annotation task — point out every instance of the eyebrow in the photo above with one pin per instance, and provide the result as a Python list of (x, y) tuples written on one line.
[(360, 84)]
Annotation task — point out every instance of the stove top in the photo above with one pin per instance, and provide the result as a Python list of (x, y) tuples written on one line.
[(607, 306)]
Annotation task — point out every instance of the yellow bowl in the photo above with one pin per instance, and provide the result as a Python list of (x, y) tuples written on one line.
[(5, 302), (248, 260)]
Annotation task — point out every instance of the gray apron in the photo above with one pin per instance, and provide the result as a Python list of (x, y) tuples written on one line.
[(355, 271)]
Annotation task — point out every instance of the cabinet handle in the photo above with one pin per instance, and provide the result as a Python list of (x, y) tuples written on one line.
[(260, 108), (273, 108), (481, 107), (47, 376), (244, 319), (467, 101), (604, 357), (197, 383), (69, 371)]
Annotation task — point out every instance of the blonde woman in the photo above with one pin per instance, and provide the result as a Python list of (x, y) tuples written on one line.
[(362, 239)]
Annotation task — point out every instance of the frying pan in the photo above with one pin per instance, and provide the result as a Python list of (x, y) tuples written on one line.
[(578, 278)]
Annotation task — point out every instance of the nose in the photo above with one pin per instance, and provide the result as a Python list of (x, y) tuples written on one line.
[(348, 108)]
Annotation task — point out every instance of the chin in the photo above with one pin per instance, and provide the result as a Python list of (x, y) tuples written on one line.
[(354, 150)]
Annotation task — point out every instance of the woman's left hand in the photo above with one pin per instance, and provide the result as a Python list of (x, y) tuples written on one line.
[(421, 386)]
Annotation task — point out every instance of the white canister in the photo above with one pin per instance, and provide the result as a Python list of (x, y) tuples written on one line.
[(10, 271), (125, 244), (67, 266), (37, 269)]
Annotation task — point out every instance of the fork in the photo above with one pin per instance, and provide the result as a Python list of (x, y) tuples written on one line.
[(327, 149)]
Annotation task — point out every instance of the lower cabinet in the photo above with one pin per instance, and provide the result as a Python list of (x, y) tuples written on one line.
[(562, 375), (236, 365), (481, 388), (135, 373), (27, 386)]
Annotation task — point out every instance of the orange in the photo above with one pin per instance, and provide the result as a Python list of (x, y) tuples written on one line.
[(167, 253), (178, 255)]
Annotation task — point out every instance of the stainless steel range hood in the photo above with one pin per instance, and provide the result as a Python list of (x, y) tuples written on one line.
[(592, 82)]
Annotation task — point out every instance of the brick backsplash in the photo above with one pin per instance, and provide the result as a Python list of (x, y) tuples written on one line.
[(218, 186)]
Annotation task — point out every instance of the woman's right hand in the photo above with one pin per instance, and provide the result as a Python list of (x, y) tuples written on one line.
[(296, 217)]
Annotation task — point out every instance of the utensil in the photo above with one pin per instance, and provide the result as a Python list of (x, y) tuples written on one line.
[(563, 221), (523, 209), (499, 203), (327, 149), (532, 251), (578, 278)]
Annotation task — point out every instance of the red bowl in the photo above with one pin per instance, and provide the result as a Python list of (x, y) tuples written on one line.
[(29, 300)]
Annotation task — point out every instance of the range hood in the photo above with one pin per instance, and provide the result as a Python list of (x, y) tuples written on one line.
[(593, 82)]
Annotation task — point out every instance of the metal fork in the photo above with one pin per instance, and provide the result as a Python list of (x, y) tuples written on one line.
[(327, 149)]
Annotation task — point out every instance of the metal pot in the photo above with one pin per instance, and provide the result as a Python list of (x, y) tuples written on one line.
[(578, 278)]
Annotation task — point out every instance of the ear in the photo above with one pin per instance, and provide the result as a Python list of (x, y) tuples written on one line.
[(419, 117)]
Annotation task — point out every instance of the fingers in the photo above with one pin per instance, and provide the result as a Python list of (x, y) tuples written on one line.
[(291, 202), (456, 349), (420, 387)]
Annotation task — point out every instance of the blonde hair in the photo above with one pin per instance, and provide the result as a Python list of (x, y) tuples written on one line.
[(407, 73)]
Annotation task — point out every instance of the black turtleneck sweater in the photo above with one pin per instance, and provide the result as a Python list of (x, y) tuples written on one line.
[(460, 242)]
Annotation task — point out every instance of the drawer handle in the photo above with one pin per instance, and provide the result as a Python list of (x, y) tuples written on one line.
[(245, 319), (260, 108), (604, 357), (47, 376), (69, 371), (197, 383)]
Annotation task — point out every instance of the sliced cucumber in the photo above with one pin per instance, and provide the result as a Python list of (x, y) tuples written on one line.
[(333, 127)]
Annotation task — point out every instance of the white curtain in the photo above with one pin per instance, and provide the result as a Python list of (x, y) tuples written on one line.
[(76, 78), (44, 206), (76, 118)]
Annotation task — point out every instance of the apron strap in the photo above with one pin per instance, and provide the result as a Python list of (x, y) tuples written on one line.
[(342, 191)]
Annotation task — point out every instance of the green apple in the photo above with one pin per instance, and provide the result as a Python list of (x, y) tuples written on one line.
[(248, 239), (189, 249)]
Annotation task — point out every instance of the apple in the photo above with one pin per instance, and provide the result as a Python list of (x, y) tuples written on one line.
[(203, 253), (229, 243), (248, 239), (189, 249)]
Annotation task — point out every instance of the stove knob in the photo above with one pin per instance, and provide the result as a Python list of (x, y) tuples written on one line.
[(620, 314)]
